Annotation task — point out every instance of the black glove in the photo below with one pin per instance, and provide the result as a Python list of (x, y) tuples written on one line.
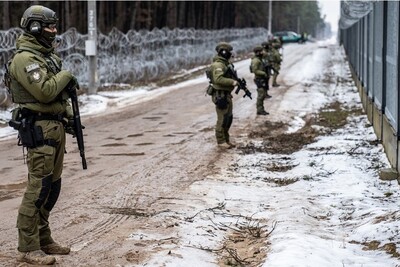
[(75, 83), (72, 85), (69, 127)]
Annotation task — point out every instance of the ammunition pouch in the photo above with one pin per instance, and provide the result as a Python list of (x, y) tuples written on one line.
[(29, 134), (210, 89)]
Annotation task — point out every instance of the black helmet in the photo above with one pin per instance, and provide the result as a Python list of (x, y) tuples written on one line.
[(223, 45), (35, 19), (41, 14), (265, 45), (258, 49), (224, 50)]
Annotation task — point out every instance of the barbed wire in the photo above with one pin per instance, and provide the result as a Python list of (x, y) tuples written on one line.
[(143, 55)]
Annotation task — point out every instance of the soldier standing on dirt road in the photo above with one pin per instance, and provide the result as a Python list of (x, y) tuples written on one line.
[(223, 85), (275, 59), (260, 78), (38, 86), (267, 63)]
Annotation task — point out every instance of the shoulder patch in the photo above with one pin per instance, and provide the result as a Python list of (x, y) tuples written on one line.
[(32, 67), (36, 76)]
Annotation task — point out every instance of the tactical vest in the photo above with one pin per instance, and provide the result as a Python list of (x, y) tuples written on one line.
[(18, 93), (226, 73), (229, 72)]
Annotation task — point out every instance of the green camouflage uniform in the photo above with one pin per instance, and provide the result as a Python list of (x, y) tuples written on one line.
[(261, 80), (38, 87), (223, 86), (275, 58)]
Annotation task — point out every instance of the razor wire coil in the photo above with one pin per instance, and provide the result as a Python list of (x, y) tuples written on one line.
[(140, 55)]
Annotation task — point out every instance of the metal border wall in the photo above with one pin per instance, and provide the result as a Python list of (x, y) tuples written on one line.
[(372, 48), (392, 44)]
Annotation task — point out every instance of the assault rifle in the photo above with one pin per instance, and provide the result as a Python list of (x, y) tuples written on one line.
[(77, 122), (268, 67), (241, 83)]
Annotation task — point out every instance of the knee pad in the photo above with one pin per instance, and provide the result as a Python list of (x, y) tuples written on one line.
[(44, 191), (230, 119), (53, 196), (225, 122)]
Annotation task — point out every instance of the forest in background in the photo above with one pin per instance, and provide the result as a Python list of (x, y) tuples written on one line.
[(304, 16)]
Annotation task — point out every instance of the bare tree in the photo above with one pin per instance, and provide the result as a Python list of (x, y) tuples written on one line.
[(6, 15), (172, 14)]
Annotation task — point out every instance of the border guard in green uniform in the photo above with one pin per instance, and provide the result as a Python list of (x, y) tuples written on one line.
[(40, 88), (266, 59), (275, 59), (261, 77), (223, 85)]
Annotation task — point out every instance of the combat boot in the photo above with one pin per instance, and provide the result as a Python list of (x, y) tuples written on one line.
[(55, 248), (224, 146), (262, 113), (231, 144), (36, 257)]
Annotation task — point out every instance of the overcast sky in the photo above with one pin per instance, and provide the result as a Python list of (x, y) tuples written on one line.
[(331, 8)]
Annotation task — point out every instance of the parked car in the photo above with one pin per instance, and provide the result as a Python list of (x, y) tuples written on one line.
[(289, 37)]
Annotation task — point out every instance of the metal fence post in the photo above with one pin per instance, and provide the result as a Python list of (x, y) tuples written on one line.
[(90, 48)]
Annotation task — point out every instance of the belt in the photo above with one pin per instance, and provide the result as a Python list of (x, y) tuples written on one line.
[(50, 142), (222, 92), (39, 116), (48, 117)]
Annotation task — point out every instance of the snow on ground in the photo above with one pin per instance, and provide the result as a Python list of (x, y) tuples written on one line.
[(333, 207)]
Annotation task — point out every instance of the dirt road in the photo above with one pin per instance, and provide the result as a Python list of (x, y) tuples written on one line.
[(141, 161)]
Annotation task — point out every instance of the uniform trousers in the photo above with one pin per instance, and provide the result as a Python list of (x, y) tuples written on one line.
[(224, 120), (45, 164)]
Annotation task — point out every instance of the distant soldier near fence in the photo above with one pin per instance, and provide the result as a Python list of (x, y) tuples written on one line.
[(41, 90), (223, 85), (261, 76), (223, 79), (266, 59), (275, 60)]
